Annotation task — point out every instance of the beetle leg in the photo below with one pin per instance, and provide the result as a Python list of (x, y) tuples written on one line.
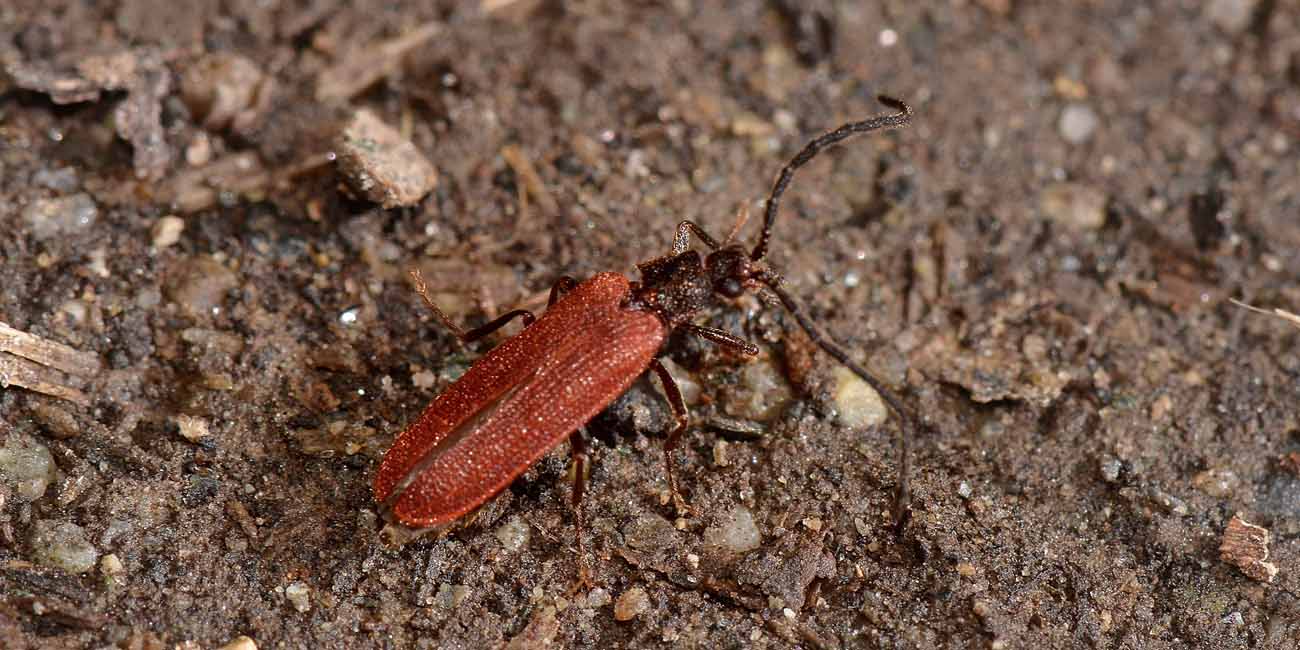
[(578, 454), (683, 419), (682, 240), (562, 286), (478, 332), (722, 337)]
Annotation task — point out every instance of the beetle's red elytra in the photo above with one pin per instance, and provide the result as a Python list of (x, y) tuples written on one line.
[(517, 402), (543, 384)]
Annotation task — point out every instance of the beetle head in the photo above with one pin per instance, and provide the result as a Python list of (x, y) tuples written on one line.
[(731, 271)]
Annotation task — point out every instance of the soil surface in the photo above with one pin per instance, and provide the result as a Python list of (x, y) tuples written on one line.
[(1040, 266)]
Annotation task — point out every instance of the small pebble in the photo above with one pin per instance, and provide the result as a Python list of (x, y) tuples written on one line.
[(1216, 482), (381, 165), (65, 215), (223, 90), (167, 231), (111, 565), (56, 421), (63, 179), (1078, 122), (631, 603), (1110, 470), (720, 458), (1231, 16), (191, 428), (199, 285), (62, 545), (26, 465), (199, 151), (598, 598), (240, 643), (299, 596), (857, 404), (513, 534), (735, 532), (1074, 205), (761, 393)]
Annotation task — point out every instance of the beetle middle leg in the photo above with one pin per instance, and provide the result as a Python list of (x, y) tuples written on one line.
[(562, 286), (683, 419)]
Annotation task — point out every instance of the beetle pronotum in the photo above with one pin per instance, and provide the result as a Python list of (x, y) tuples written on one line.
[(595, 338)]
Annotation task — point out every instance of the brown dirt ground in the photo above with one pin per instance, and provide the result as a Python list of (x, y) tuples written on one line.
[(1040, 265)]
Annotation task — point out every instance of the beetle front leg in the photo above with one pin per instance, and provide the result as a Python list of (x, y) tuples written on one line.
[(682, 239), (721, 337), (683, 419)]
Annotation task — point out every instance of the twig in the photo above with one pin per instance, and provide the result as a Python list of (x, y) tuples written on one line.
[(1278, 312), (358, 70)]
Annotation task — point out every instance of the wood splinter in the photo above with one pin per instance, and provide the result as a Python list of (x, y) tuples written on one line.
[(41, 365)]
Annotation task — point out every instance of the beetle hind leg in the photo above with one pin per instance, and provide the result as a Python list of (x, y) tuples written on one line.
[(467, 336), (581, 464)]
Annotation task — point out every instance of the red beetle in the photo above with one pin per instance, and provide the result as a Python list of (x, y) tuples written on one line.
[(595, 338)]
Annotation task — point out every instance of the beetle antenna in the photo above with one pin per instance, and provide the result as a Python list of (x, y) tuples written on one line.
[(894, 120), (902, 495)]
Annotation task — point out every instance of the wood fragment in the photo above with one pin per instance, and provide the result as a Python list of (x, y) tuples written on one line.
[(360, 69), (239, 513), (1245, 546), (58, 613), (17, 371), (529, 178), (200, 188), (39, 364), (48, 353)]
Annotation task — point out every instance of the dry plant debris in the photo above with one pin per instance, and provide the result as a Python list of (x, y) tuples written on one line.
[(1245, 546), (41, 365), (1276, 311), (359, 70)]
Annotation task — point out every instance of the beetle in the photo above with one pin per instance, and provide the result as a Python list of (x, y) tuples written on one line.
[(594, 339)]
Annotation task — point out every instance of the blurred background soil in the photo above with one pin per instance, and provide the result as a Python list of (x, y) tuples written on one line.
[(209, 208)]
